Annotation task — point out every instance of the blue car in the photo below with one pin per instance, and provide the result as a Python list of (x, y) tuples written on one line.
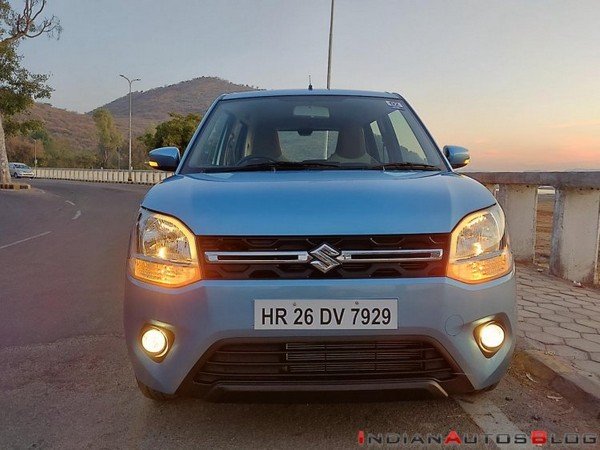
[(315, 241)]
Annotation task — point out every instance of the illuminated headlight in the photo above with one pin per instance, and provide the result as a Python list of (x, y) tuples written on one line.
[(163, 251), (490, 336), (479, 249), (155, 341)]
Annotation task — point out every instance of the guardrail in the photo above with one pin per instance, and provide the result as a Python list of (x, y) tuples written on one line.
[(576, 220), (102, 175)]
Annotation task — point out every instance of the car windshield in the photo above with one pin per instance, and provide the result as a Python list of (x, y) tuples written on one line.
[(21, 166), (312, 133)]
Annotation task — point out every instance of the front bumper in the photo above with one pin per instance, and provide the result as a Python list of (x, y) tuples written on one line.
[(439, 310)]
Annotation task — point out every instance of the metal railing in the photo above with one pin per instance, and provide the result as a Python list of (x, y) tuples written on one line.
[(102, 175), (575, 222)]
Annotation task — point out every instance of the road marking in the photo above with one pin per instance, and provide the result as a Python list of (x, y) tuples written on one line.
[(77, 214), (70, 202), (25, 240), (489, 418)]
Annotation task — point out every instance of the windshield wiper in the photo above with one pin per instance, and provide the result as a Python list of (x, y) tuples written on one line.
[(404, 166), (276, 165)]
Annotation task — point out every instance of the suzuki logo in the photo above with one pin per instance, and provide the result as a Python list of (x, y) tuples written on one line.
[(324, 258)]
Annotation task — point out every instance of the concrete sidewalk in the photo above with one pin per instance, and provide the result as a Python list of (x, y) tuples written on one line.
[(559, 319)]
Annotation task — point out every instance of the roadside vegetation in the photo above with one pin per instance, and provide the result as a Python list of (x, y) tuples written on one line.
[(19, 87)]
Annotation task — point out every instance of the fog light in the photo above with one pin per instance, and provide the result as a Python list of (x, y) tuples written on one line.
[(155, 342), (491, 337)]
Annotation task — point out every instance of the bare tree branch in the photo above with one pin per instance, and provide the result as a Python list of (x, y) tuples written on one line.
[(26, 25)]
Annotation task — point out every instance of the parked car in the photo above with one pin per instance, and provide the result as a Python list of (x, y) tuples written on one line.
[(317, 240), (20, 170)]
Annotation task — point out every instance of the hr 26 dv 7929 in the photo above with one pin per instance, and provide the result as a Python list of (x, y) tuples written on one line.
[(317, 240)]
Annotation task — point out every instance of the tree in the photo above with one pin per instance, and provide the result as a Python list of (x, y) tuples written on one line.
[(109, 138), (175, 132), (19, 87)]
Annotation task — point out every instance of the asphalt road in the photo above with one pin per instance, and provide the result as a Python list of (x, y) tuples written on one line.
[(66, 382)]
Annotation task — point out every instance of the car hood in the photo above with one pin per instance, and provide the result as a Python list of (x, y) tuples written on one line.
[(318, 203)]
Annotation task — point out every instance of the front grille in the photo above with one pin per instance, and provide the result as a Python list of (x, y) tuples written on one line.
[(318, 362), (414, 265)]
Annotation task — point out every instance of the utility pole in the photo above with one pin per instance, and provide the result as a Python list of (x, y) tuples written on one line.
[(130, 83), (330, 41)]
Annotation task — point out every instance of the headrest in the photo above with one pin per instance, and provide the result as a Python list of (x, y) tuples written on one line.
[(266, 143), (351, 143)]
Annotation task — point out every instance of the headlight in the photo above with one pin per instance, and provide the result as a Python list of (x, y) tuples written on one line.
[(479, 249), (163, 251)]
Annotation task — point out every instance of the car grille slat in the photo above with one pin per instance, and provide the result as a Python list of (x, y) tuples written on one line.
[(289, 257), (330, 361)]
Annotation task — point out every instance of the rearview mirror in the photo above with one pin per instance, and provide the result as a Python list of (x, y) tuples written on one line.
[(164, 158), (457, 156)]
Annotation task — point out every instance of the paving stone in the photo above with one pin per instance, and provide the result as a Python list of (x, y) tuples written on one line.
[(528, 326), (526, 303), (591, 337), (541, 322), (593, 309), (589, 323), (538, 309), (575, 302), (593, 294), (578, 327), (536, 345), (554, 296), (568, 292), (574, 315), (555, 307), (562, 332), (560, 318), (526, 313), (567, 352), (589, 366), (595, 357), (544, 338), (557, 318), (583, 344)]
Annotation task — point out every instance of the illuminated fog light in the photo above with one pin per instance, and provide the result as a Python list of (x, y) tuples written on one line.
[(491, 336), (155, 342)]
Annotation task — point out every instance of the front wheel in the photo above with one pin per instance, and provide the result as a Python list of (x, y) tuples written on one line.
[(153, 394)]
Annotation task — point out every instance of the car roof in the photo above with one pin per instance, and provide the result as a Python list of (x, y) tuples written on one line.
[(303, 92)]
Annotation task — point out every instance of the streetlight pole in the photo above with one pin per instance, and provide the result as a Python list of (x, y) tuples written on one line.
[(326, 149), (130, 83), (330, 41)]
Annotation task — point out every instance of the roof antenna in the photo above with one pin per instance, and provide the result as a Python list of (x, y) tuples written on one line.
[(309, 84)]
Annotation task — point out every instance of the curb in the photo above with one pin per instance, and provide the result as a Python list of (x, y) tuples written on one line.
[(14, 186), (557, 374)]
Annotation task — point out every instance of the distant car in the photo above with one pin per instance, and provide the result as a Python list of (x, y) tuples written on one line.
[(317, 241), (20, 170)]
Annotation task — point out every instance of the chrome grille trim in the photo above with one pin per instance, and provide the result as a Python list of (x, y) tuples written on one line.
[(373, 256), (257, 257), (288, 257)]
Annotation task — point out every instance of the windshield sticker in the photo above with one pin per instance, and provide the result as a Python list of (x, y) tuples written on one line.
[(395, 105)]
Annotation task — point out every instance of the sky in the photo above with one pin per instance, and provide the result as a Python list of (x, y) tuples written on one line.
[(516, 82)]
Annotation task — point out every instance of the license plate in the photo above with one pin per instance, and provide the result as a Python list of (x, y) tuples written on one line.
[(326, 314)]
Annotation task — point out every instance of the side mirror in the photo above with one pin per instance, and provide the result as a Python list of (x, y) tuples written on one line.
[(457, 156), (164, 158)]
